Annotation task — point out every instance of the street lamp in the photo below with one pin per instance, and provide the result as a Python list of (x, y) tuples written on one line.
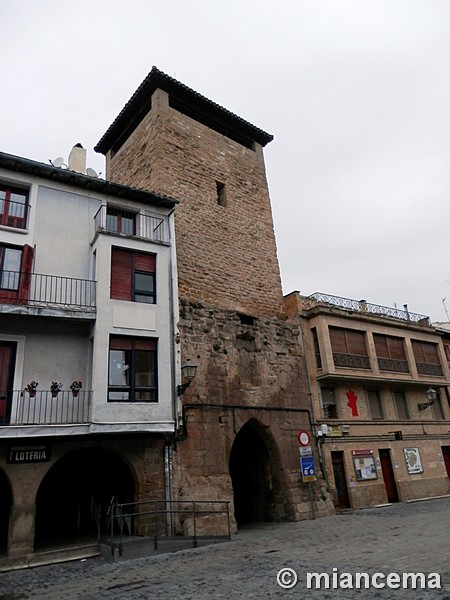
[(431, 395), (188, 371)]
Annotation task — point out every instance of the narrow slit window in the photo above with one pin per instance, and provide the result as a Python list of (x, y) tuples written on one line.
[(221, 194)]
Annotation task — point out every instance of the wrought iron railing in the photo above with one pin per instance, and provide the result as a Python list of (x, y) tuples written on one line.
[(36, 289), (429, 369), (127, 223), (354, 361), (362, 306), (163, 521), (396, 365), (41, 408)]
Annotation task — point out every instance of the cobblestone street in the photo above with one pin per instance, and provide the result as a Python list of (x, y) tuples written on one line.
[(396, 539)]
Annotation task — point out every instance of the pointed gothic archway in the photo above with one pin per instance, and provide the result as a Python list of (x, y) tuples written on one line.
[(68, 499), (255, 473), (5, 510)]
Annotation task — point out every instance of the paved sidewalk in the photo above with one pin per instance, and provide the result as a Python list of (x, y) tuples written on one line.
[(400, 538)]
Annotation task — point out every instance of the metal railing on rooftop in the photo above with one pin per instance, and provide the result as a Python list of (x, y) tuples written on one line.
[(362, 306)]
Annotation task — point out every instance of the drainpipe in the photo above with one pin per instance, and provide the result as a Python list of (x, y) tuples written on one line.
[(323, 466), (173, 306)]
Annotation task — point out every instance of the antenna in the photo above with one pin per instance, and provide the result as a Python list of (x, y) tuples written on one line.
[(58, 162), (445, 308), (91, 172)]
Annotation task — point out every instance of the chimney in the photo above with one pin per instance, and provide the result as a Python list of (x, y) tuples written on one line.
[(77, 159)]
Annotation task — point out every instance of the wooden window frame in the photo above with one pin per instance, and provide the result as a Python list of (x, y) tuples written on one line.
[(402, 394), (126, 287), (379, 402), (6, 218), (327, 413), (130, 391)]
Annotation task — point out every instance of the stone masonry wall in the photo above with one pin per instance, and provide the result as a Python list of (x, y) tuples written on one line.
[(253, 368), (226, 253)]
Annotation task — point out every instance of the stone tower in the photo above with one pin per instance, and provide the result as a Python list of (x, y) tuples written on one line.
[(243, 411)]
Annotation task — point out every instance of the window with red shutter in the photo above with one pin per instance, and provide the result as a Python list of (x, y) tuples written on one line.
[(391, 353), (15, 273), (427, 358), (13, 207), (133, 276)]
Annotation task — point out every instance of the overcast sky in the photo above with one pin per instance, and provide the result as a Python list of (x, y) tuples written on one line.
[(356, 93)]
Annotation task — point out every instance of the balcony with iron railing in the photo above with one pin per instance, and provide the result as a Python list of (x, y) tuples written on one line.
[(131, 224), (18, 408), (13, 214), (352, 361), (363, 307), (394, 365), (37, 290)]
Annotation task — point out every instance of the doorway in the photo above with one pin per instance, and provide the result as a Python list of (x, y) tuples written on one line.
[(5, 509), (70, 496), (252, 476), (7, 364), (446, 455), (340, 480), (388, 475)]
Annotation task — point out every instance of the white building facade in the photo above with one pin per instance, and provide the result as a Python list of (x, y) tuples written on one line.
[(88, 360)]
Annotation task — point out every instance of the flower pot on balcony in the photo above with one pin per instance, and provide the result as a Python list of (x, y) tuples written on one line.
[(55, 388), (75, 393), (32, 393), (55, 393)]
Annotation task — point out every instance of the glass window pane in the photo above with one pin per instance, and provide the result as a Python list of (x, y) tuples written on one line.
[(147, 396), (112, 222), (119, 368), (127, 225), (145, 368), (11, 269), (144, 282)]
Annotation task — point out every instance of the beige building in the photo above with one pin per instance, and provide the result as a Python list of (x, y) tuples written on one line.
[(88, 370), (384, 436)]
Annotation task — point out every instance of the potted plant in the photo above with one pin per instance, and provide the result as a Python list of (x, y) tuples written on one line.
[(31, 388), (55, 388), (76, 386)]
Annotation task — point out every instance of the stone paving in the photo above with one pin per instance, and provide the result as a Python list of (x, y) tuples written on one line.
[(396, 539)]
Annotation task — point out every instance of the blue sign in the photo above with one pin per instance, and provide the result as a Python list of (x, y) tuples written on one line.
[(308, 468)]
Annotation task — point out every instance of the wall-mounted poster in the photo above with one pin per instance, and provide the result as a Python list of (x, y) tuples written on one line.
[(365, 468), (413, 462)]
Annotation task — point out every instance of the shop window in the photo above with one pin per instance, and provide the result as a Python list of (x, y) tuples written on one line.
[(13, 207), (329, 404), (401, 406), (375, 405), (133, 276), (132, 369)]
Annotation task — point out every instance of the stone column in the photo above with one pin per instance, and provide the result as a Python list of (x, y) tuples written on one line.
[(22, 522)]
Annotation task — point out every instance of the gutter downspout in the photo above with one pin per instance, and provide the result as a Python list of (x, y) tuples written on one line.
[(323, 465), (174, 361)]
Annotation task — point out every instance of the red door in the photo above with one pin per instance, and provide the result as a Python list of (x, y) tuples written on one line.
[(388, 475), (7, 360), (340, 480)]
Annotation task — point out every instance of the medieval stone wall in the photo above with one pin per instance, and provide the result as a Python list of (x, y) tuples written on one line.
[(226, 251)]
